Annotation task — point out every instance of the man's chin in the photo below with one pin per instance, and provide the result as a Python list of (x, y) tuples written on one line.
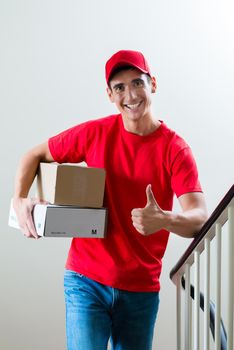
[(133, 116)]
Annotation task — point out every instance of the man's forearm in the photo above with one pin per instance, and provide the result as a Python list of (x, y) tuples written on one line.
[(27, 168), (185, 224), (25, 174), (152, 218)]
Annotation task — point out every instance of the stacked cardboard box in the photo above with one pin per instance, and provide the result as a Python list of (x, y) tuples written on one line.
[(69, 184), (75, 195)]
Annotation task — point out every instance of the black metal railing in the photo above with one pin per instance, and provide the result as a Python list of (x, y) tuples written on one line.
[(223, 334)]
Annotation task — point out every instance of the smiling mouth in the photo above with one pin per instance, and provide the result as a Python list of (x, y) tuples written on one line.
[(134, 106)]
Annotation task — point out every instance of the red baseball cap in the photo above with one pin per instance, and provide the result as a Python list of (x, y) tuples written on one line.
[(126, 58)]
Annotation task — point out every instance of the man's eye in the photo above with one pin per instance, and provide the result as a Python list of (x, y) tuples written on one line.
[(139, 83), (119, 88)]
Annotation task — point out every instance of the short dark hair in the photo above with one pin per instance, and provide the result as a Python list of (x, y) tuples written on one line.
[(124, 68)]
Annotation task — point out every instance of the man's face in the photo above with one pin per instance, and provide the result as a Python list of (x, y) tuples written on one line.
[(131, 91)]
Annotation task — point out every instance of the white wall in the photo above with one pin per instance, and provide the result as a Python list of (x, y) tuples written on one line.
[(52, 77)]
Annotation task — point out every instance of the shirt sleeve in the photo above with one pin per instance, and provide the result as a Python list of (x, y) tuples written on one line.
[(184, 177), (69, 145)]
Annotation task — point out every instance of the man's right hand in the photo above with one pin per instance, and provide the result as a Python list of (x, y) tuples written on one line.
[(25, 175), (23, 208)]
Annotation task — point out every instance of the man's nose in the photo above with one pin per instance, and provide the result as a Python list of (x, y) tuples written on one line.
[(130, 93)]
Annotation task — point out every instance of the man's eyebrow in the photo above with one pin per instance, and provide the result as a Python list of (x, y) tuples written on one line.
[(138, 79), (117, 85)]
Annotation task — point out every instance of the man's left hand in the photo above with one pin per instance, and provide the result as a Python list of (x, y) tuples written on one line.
[(149, 219)]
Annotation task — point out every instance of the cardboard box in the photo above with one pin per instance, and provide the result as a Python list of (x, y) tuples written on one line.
[(69, 184), (66, 221)]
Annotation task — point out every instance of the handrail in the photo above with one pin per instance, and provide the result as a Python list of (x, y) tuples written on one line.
[(218, 212), (218, 218)]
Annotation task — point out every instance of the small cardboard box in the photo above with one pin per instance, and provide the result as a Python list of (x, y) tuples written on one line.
[(69, 184), (65, 221)]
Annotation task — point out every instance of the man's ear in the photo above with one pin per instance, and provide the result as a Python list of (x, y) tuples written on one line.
[(153, 85), (110, 94)]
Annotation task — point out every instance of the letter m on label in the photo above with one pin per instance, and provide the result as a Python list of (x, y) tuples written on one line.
[(94, 232)]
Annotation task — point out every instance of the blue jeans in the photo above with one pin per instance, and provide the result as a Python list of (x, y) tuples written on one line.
[(96, 313)]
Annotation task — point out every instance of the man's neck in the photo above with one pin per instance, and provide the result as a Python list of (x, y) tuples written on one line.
[(141, 127)]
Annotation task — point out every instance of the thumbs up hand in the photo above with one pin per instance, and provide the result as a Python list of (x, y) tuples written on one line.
[(149, 219)]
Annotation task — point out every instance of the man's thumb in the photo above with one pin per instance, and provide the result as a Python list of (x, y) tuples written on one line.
[(150, 196)]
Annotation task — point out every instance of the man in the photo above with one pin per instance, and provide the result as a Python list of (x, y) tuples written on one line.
[(112, 284)]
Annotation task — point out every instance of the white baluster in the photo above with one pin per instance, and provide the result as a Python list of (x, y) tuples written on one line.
[(197, 300), (207, 294), (230, 277), (187, 308), (218, 286), (178, 311)]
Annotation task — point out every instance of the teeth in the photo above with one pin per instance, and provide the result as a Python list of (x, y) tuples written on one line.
[(133, 106)]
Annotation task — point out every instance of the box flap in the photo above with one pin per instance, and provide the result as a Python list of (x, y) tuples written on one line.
[(12, 220), (39, 216)]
